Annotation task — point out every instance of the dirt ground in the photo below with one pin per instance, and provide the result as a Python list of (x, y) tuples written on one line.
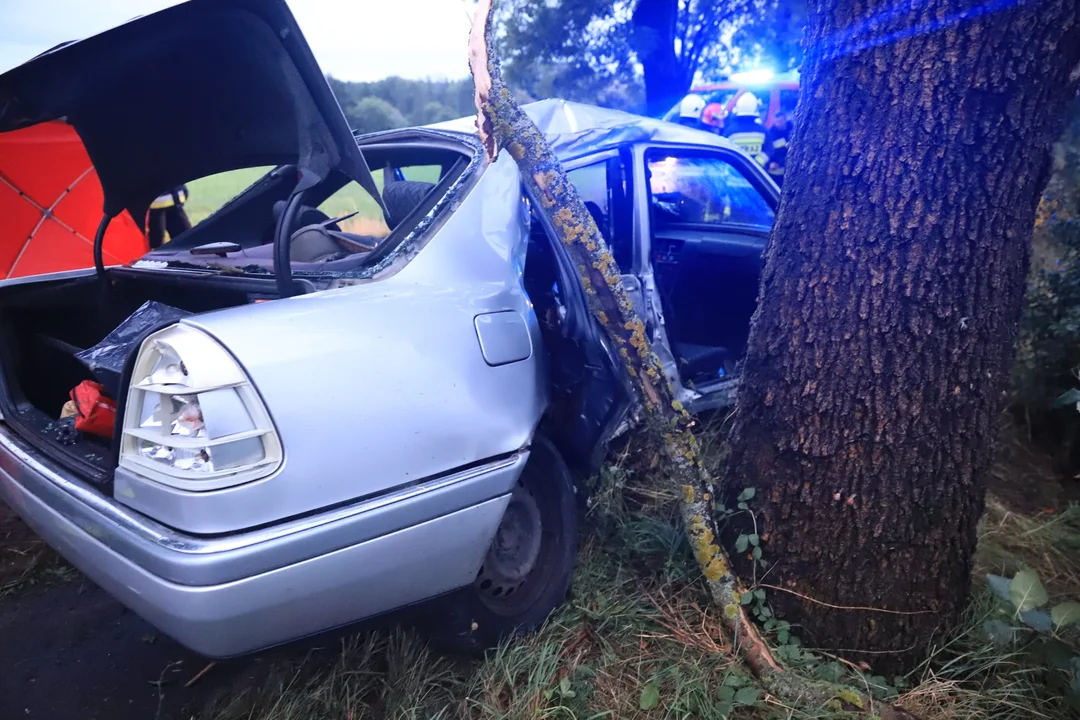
[(68, 650)]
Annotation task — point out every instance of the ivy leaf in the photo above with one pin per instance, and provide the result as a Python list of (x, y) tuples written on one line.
[(756, 553), (746, 696), (759, 594), (747, 494), (1038, 620), (742, 506), (746, 598), (1065, 614), (1000, 586), (880, 688), (734, 680), (783, 636), (1000, 633), (754, 539), (725, 708), (726, 693), (830, 671), (1026, 592), (650, 696), (741, 543)]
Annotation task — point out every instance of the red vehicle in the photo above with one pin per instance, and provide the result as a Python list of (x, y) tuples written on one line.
[(776, 92)]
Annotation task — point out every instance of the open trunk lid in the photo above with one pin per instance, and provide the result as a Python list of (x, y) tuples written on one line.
[(197, 89)]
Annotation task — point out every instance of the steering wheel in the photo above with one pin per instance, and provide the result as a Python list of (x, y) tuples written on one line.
[(306, 215)]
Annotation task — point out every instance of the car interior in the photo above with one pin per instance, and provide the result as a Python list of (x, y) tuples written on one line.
[(339, 226), (708, 226)]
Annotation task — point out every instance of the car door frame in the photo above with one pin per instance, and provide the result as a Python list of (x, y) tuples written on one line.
[(721, 394), (604, 395), (638, 280)]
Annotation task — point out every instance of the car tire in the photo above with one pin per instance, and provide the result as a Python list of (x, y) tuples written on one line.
[(527, 570)]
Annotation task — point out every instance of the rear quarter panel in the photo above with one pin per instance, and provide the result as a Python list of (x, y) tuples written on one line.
[(380, 384)]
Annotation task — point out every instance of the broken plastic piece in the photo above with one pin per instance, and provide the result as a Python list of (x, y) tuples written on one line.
[(106, 359)]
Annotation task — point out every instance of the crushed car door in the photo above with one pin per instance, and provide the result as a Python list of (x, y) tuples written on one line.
[(591, 396), (606, 186)]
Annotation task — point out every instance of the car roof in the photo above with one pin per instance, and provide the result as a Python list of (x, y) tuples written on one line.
[(576, 129)]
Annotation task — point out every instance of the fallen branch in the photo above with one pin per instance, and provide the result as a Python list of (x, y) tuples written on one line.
[(198, 675), (502, 124)]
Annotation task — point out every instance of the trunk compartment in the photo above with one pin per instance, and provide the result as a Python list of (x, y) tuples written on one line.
[(44, 324)]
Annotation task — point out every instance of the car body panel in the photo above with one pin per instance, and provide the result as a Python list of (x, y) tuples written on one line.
[(260, 609), (379, 384), (187, 559)]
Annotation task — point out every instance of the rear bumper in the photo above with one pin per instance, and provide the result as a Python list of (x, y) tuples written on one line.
[(229, 595)]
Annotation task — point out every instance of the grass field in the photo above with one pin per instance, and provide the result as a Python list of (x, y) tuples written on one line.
[(210, 193)]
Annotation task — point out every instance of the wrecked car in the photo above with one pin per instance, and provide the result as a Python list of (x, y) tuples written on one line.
[(319, 418)]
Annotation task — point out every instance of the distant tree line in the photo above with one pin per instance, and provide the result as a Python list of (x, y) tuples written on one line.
[(640, 56), (398, 102)]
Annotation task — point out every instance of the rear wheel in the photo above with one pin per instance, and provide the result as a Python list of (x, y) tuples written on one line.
[(527, 570)]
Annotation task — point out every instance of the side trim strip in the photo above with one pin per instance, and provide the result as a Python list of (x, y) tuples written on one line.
[(195, 560)]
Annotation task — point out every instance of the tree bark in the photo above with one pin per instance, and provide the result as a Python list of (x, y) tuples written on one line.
[(880, 351)]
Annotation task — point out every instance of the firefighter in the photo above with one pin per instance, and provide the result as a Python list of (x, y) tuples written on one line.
[(777, 139), (690, 111), (712, 117), (167, 214), (745, 129)]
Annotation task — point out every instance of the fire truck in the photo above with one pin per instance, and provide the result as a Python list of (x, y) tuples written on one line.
[(776, 92)]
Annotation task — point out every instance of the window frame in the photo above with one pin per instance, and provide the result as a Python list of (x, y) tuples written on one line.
[(754, 174), (626, 157)]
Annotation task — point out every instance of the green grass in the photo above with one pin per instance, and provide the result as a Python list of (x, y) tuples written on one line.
[(208, 194)]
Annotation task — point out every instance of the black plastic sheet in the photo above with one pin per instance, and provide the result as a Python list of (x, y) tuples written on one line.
[(106, 359)]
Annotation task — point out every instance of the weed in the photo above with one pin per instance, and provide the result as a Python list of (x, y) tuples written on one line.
[(41, 568)]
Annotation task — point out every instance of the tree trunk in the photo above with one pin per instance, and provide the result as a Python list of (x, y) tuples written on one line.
[(893, 281), (654, 27)]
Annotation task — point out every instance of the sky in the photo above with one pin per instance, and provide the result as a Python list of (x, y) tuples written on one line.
[(357, 40)]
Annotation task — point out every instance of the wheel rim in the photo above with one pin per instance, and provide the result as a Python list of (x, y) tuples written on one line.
[(514, 550)]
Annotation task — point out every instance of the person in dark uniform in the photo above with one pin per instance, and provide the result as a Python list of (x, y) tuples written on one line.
[(166, 215), (776, 146), (745, 129)]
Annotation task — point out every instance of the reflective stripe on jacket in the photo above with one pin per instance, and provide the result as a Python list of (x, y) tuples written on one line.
[(178, 196)]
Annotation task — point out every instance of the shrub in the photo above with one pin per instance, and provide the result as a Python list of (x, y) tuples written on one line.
[(372, 114)]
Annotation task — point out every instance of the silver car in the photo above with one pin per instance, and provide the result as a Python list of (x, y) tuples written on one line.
[(322, 418)]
